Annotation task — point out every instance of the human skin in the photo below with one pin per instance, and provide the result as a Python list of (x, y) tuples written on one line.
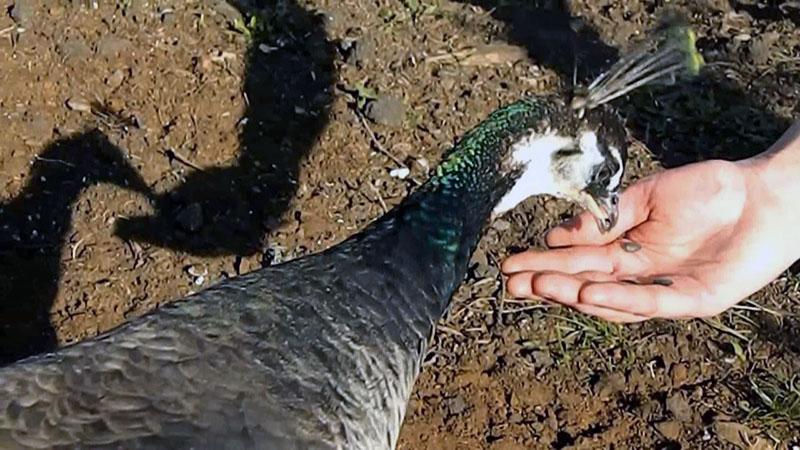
[(690, 242)]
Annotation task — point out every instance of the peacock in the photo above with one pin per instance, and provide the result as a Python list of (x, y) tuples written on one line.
[(322, 352)]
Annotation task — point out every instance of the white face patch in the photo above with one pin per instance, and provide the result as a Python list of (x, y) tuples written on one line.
[(567, 178), (591, 157), (616, 179), (535, 153)]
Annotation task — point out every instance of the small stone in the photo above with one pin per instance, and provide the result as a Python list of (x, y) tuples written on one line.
[(542, 358), (22, 12), (226, 10), (115, 79), (680, 408), (761, 47), (679, 374), (362, 52), (482, 267), (456, 405), (79, 104), (401, 173), (670, 429), (650, 409), (191, 217), (501, 225), (609, 384), (386, 110), (734, 433), (74, 49), (168, 16), (198, 277), (111, 45)]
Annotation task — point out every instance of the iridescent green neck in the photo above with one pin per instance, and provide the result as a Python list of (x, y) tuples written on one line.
[(456, 202)]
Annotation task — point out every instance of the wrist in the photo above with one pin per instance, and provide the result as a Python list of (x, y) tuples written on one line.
[(778, 168), (773, 185)]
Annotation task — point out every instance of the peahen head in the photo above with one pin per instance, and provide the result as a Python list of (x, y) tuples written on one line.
[(580, 160), (577, 151)]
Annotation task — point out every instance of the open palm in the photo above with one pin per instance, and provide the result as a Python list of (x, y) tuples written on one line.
[(690, 242)]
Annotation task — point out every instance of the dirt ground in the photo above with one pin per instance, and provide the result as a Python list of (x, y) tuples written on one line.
[(150, 148)]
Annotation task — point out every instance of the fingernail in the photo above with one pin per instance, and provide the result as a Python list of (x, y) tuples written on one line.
[(630, 246)]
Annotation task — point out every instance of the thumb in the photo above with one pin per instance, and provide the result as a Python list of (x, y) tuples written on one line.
[(634, 209)]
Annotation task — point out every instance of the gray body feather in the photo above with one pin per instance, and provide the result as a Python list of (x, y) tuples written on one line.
[(317, 353)]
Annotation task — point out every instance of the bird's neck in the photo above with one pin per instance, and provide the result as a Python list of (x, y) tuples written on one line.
[(437, 228)]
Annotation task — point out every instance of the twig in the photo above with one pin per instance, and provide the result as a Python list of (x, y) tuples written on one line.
[(380, 146), (380, 199), (173, 154), (56, 161), (5, 31), (377, 143)]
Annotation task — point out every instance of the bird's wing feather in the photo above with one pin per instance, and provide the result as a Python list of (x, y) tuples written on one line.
[(183, 377)]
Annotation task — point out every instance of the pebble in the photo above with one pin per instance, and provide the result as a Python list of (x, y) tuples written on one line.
[(199, 277), (542, 358), (734, 433), (226, 10), (456, 405), (400, 172), (78, 104), (22, 12), (610, 384), (115, 79), (386, 110), (679, 374), (680, 408), (501, 225), (670, 429), (362, 52)]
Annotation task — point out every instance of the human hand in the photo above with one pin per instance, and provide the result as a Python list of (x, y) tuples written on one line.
[(690, 242)]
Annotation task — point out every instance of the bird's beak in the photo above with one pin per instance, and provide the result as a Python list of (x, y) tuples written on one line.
[(604, 208)]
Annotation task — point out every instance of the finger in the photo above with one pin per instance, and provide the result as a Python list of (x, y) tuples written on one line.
[(554, 286), (583, 230), (650, 300), (622, 257), (610, 315), (568, 260)]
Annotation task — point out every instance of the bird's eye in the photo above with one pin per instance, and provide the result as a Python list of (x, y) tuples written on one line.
[(615, 200), (603, 174)]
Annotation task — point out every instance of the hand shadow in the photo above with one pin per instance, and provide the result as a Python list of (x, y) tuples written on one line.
[(33, 231), (227, 210)]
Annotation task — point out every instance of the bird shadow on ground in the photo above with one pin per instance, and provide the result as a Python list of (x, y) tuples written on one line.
[(709, 117), (34, 228), (227, 210)]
